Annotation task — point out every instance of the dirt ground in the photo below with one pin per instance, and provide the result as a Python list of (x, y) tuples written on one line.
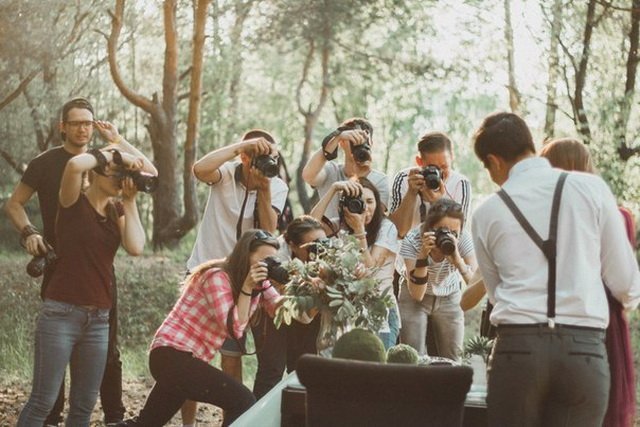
[(13, 395)]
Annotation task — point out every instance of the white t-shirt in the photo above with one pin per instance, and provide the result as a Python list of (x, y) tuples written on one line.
[(335, 172), (217, 233), (457, 187)]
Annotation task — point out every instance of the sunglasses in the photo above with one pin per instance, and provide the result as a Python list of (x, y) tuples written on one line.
[(445, 208), (262, 235)]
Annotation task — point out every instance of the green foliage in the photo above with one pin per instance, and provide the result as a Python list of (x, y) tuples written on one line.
[(480, 346), (360, 344), (336, 281), (402, 353)]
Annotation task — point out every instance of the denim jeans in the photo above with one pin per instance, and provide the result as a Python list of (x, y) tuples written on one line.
[(447, 320), (389, 338), (67, 334)]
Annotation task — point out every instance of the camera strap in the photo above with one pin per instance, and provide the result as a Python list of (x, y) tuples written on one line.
[(548, 247), (256, 221)]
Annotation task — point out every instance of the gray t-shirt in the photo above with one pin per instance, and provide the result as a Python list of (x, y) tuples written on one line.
[(335, 172)]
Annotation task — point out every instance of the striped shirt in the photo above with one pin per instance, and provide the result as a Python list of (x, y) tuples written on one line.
[(443, 277), (457, 186), (198, 321)]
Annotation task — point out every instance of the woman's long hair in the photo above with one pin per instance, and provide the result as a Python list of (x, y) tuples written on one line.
[(568, 154), (373, 227), (236, 265)]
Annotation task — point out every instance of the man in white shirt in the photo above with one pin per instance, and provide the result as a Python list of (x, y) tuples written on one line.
[(549, 365), (410, 194), (241, 196), (354, 136)]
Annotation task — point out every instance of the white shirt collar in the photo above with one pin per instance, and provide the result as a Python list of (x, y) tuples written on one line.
[(529, 163)]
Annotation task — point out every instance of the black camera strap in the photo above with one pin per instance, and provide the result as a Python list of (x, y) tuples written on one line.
[(256, 221), (548, 247)]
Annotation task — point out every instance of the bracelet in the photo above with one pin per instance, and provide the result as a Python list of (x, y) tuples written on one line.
[(245, 293), (28, 230), (117, 157), (423, 262), (330, 155), (100, 158), (360, 235), (418, 280)]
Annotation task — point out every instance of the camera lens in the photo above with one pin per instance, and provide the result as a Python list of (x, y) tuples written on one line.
[(352, 204), (361, 153), (267, 165), (275, 270), (444, 241), (432, 176)]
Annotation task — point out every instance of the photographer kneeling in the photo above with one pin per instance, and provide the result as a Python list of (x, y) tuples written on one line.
[(361, 213), (73, 324), (435, 256)]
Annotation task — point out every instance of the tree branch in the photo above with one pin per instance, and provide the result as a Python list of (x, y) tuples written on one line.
[(303, 79), (21, 87)]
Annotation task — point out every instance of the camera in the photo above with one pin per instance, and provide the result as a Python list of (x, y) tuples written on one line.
[(353, 204), (275, 270), (445, 240), (143, 181), (267, 165), (432, 176), (361, 153), (313, 247), (40, 263)]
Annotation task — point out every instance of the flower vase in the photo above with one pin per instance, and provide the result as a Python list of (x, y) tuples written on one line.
[(327, 335)]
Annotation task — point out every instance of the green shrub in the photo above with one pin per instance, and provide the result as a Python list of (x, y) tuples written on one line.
[(402, 353), (360, 344)]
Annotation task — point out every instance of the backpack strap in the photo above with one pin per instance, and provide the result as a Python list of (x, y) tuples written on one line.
[(548, 247)]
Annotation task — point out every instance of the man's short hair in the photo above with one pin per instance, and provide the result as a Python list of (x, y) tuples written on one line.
[(258, 133), (434, 142), (358, 123), (78, 102), (503, 134)]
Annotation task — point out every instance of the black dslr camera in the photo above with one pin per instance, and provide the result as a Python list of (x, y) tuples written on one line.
[(143, 181), (313, 247), (432, 176), (445, 240), (40, 263), (267, 165), (361, 153), (353, 204), (275, 270)]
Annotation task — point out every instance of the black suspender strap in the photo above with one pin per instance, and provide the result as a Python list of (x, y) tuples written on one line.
[(548, 247)]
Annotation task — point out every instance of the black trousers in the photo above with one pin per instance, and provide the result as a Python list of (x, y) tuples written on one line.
[(180, 376), (540, 376), (280, 348), (111, 387)]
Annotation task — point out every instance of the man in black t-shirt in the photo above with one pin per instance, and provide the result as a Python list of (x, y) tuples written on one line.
[(43, 175)]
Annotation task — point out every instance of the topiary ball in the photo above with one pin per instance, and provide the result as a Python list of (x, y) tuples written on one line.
[(360, 344), (402, 353)]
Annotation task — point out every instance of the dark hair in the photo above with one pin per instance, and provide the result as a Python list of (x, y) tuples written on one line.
[(505, 135), (359, 123), (258, 133), (236, 265), (434, 142), (568, 154), (442, 208), (373, 227), (75, 103), (299, 227)]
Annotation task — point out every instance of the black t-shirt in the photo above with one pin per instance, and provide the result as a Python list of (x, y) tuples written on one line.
[(43, 175)]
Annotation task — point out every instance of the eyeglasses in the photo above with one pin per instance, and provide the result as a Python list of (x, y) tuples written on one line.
[(80, 123)]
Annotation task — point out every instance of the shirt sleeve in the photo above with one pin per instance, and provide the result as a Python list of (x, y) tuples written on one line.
[(217, 291), (410, 245), (619, 266), (227, 171), (465, 244), (387, 236), (331, 174), (270, 298), (463, 196), (32, 176), (398, 190), (383, 189), (279, 191), (486, 264)]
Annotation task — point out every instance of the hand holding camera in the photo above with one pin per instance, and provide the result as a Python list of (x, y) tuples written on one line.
[(358, 142), (42, 260)]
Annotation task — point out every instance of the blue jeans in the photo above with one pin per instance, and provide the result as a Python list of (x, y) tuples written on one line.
[(67, 334), (390, 338), (447, 318)]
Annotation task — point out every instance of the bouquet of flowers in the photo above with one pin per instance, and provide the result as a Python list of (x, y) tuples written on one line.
[(336, 283)]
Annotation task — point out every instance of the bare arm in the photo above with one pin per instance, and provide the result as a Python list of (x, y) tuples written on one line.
[(131, 230), (402, 217), (110, 133), (313, 172), (14, 208), (474, 293), (207, 169)]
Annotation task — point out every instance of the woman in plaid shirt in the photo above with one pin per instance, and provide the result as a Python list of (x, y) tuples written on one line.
[(217, 301)]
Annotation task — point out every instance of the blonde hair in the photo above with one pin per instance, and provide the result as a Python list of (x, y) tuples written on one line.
[(568, 154)]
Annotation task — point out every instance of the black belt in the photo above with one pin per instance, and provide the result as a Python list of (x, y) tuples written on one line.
[(546, 326)]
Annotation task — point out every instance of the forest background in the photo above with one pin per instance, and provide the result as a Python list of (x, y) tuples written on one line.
[(180, 78)]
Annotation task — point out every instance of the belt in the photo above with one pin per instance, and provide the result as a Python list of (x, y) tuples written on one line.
[(546, 326)]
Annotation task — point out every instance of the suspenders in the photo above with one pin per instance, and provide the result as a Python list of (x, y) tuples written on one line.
[(548, 247)]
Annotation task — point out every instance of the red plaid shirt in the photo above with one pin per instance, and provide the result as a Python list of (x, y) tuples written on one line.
[(198, 321)]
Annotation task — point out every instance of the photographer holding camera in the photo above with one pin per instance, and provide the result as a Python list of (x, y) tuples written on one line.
[(361, 214), (43, 175), (73, 324), (355, 137), (414, 189), (244, 193), (436, 255)]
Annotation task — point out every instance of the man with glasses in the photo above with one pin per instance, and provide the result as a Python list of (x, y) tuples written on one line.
[(43, 175), (550, 244), (244, 193)]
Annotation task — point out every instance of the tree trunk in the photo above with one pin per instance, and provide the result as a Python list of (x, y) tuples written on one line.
[(514, 94), (579, 114), (556, 29)]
